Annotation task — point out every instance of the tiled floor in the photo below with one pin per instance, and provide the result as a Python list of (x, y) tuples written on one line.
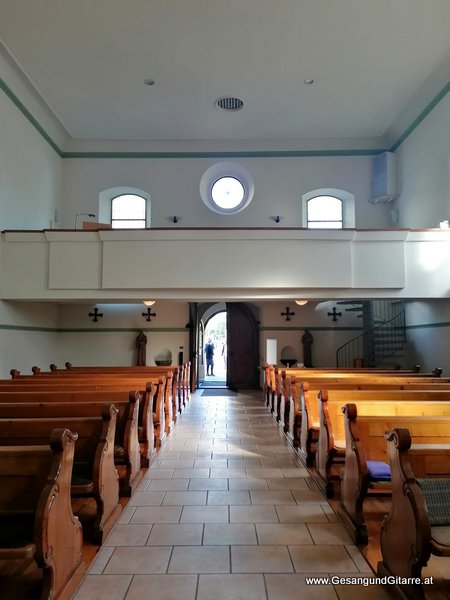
[(226, 512)]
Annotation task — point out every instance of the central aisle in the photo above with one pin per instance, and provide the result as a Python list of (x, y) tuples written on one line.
[(226, 511)]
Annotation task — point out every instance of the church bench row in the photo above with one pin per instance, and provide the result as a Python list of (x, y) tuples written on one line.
[(271, 384), (177, 381), (365, 460), (280, 397), (332, 442), (180, 376), (66, 400), (418, 523), (304, 416), (94, 474), (42, 405), (36, 517), (156, 410), (301, 415)]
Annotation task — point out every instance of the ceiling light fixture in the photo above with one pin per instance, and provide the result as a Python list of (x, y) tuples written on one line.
[(149, 302), (301, 302), (149, 81), (308, 81)]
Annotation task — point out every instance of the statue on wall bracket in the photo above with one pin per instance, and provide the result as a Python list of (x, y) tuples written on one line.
[(141, 345), (307, 341)]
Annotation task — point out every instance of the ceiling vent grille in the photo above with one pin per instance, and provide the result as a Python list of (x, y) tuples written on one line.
[(229, 103)]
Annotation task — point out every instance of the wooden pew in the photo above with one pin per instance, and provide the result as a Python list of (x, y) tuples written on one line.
[(36, 519), (286, 407), (153, 391), (415, 527), (366, 448), (94, 474), (304, 418), (331, 443), (50, 404), (180, 377)]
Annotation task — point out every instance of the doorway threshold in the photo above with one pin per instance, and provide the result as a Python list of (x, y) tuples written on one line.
[(217, 383)]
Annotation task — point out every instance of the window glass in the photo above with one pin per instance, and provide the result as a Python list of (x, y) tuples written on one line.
[(324, 212), (227, 192), (128, 211), (226, 188)]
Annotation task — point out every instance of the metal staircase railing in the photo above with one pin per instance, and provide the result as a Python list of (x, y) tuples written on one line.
[(377, 343)]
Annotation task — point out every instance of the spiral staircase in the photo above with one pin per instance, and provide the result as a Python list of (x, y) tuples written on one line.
[(383, 340)]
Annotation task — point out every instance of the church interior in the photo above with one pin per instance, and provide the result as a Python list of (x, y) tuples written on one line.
[(327, 246)]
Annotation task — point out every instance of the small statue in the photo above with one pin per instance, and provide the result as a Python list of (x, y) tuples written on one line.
[(141, 343), (307, 341)]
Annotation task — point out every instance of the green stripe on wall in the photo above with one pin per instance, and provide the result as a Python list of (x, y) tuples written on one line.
[(184, 330), (94, 330), (238, 154), (426, 111), (24, 110), (301, 328)]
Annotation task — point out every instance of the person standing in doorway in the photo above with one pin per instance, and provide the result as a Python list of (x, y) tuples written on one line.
[(209, 355)]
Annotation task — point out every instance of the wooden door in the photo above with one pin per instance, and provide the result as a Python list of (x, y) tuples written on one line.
[(242, 347), (193, 343)]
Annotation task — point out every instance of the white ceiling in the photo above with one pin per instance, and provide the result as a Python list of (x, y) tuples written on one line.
[(89, 58)]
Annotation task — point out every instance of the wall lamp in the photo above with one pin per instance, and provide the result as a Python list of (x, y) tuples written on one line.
[(82, 215), (277, 218), (175, 219)]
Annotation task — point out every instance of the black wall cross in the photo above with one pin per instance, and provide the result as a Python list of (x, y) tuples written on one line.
[(148, 314), (334, 314), (287, 314), (95, 315)]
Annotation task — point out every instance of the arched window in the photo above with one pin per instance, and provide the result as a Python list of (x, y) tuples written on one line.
[(131, 207), (328, 208), (324, 212), (128, 211)]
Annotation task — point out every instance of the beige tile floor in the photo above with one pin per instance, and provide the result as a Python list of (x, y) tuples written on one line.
[(226, 511)]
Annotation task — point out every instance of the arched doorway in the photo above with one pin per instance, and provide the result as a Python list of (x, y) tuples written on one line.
[(215, 339), (241, 352)]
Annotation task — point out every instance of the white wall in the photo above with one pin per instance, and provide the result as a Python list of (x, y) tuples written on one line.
[(28, 336), (111, 340), (173, 185), (30, 173), (424, 171), (328, 335), (428, 334)]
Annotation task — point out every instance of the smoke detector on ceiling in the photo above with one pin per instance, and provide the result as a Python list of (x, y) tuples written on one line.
[(229, 103)]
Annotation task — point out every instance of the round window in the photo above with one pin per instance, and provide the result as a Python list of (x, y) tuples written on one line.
[(226, 188), (227, 192)]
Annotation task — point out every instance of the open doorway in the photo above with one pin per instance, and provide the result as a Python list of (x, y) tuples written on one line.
[(234, 329), (215, 351)]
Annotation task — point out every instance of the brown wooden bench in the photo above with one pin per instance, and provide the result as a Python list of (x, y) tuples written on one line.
[(36, 518), (180, 377), (365, 467), (94, 474), (418, 523), (153, 391), (49, 404), (332, 442), (304, 422), (287, 405)]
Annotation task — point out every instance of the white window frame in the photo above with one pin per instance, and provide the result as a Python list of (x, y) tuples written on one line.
[(348, 205), (106, 197), (226, 169), (143, 220)]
